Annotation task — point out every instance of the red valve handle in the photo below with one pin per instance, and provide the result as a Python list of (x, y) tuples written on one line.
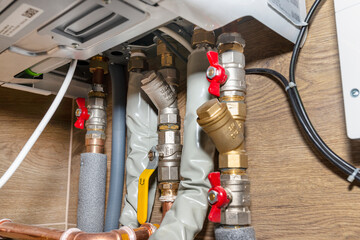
[(81, 113), (221, 198), (215, 74)]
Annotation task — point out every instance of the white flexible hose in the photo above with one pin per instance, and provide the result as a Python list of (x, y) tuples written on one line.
[(40, 128), (177, 37)]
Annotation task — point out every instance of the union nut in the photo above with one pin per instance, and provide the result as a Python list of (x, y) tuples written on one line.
[(230, 41), (233, 159), (201, 36), (217, 121), (137, 60)]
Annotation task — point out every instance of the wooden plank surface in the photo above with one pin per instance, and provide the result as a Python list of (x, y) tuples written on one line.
[(36, 194)]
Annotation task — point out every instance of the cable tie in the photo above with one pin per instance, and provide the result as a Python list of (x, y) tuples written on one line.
[(351, 178), (291, 85)]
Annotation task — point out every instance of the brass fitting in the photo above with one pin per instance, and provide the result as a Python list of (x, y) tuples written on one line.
[(95, 144), (137, 60), (216, 120), (167, 58), (99, 62), (168, 191), (230, 41), (230, 46), (201, 36)]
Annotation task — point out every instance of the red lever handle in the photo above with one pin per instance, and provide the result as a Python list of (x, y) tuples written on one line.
[(215, 74), (81, 113), (217, 197)]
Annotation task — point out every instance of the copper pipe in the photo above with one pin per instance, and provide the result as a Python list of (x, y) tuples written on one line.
[(21, 231), (98, 76), (27, 232), (165, 208)]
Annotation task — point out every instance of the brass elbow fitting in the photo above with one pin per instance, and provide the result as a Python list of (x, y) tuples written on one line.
[(227, 135)]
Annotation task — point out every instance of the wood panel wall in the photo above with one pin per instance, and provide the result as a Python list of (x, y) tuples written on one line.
[(37, 192), (296, 193)]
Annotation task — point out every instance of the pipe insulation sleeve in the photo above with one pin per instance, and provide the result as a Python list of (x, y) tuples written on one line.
[(187, 215), (114, 203), (40, 128), (92, 186), (141, 122), (243, 233)]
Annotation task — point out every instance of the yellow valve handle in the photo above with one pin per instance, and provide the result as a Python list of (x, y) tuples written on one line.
[(143, 192), (142, 204)]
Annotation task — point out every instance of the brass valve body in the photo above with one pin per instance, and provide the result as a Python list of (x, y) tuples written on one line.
[(227, 135), (217, 122)]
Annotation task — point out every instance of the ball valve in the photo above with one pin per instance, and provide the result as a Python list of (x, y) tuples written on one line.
[(81, 113), (218, 197), (215, 74)]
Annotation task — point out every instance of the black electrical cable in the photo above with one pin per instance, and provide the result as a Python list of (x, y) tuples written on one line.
[(320, 144), (298, 112), (297, 103), (169, 46), (268, 71)]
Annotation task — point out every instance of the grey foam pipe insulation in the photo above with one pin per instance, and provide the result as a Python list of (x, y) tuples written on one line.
[(141, 122), (92, 185), (244, 233), (187, 215), (114, 203)]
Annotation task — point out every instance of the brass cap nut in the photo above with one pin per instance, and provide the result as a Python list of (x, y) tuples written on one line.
[(137, 63), (209, 109), (230, 37), (230, 41), (233, 160), (202, 36), (99, 62)]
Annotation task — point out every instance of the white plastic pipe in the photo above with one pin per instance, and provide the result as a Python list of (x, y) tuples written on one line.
[(40, 128), (177, 37)]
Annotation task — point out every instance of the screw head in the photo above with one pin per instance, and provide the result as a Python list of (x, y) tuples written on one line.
[(212, 197), (354, 92), (151, 155), (211, 72), (78, 112), (75, 45)]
